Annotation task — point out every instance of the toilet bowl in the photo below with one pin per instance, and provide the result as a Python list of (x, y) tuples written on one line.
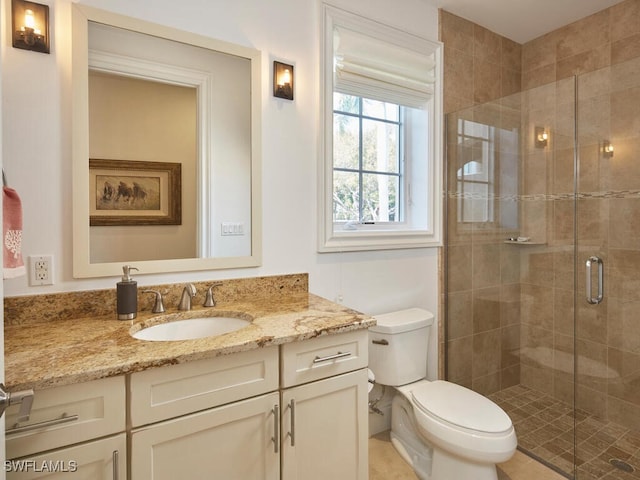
[(445, 431), (468, 432)]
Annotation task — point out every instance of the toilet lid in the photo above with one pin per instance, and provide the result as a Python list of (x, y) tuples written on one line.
[(460, 406)]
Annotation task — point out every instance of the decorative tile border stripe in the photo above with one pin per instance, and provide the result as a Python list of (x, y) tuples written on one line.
[(632, 194)]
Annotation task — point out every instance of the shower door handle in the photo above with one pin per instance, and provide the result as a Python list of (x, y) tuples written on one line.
[(600, 295)]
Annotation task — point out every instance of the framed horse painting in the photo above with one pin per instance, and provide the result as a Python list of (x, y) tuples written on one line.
[(128, 192)]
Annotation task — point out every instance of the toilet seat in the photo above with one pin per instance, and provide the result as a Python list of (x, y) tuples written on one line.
[(461, 407)]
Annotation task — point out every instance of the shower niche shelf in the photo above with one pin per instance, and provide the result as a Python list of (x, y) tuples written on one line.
[(515, 242)]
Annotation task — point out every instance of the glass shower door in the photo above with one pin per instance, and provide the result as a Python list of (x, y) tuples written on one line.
[(542, 286), (607, 296), (544, 413), (510, 262)]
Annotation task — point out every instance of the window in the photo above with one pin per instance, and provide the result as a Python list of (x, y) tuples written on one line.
[(366, 161), (380, 186)]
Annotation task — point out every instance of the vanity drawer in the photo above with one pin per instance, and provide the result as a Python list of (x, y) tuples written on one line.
[(323, 357), (162, 393), (66, 415)]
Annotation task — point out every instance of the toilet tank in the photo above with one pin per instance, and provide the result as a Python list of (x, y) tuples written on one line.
[(398, 346)]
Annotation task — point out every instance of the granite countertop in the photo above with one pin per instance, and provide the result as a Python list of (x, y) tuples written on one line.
[(62, 352)]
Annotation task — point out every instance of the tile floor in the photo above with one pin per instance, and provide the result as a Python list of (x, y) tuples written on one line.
[(545, 427), (386, 464)]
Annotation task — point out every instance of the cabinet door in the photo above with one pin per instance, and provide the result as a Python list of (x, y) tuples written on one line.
[(104, 459), (325, 429), (237, 441)]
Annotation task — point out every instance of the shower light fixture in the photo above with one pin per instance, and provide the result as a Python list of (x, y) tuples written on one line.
[(541, 137), (607, 149)]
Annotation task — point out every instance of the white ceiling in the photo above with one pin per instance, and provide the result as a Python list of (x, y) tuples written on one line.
[(523, 20)]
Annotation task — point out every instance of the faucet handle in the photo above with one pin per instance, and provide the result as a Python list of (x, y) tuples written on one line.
[(158, 306), (210, 301)]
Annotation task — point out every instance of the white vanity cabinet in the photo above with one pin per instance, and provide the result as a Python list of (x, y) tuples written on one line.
[(232, 435), (324, 429), (249, 426), (80, 427), (290, 412)]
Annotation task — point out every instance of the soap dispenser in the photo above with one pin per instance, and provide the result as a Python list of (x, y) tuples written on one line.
[(127, 295)]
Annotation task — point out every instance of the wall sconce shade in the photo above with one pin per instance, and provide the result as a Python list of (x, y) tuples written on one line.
[(541, 137), (282, 80), (607, 149), (30, 22)]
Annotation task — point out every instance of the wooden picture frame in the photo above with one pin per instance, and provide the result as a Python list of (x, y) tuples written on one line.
[(128, 192)]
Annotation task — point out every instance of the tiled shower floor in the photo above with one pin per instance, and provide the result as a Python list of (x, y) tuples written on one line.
[(545, 428)]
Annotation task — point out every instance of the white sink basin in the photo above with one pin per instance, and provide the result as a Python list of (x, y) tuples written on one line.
[(190, 328)]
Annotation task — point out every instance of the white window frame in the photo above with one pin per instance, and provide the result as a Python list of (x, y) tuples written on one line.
[(335, 237)]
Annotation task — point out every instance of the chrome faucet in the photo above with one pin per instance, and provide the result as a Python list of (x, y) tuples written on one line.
[(187, 294)]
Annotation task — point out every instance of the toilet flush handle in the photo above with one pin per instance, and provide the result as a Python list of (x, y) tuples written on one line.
[(380, 342)]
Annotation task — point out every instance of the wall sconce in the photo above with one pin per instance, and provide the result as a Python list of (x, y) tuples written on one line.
[(607, 149), (282, 80), (30, 23), (541, 137)]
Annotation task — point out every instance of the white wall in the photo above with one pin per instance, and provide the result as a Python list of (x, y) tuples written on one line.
[(37, 149)]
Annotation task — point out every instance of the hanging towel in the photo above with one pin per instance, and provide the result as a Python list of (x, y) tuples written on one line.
[(12, 232)]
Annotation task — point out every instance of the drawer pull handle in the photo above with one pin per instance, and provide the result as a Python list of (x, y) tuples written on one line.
[(380, 342), (331, 357), (276, 428), (47, 423)]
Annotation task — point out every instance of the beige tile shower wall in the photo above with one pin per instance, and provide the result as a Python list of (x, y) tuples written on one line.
[(483, 273), (541, 299), (605, 38), (604, 50), (609, 227), (546, 202), (479, 65)]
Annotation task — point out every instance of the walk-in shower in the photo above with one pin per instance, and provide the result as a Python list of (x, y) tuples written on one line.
[(542, 288)]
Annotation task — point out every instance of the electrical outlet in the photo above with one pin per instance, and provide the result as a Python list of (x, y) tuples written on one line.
[(40, 270)]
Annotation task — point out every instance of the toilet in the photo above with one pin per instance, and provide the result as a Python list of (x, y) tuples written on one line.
[(445, 431)]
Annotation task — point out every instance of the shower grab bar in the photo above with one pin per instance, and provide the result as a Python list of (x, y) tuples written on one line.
[(598, 298)]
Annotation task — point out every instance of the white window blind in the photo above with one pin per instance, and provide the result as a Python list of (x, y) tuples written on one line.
[(380, 70)]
